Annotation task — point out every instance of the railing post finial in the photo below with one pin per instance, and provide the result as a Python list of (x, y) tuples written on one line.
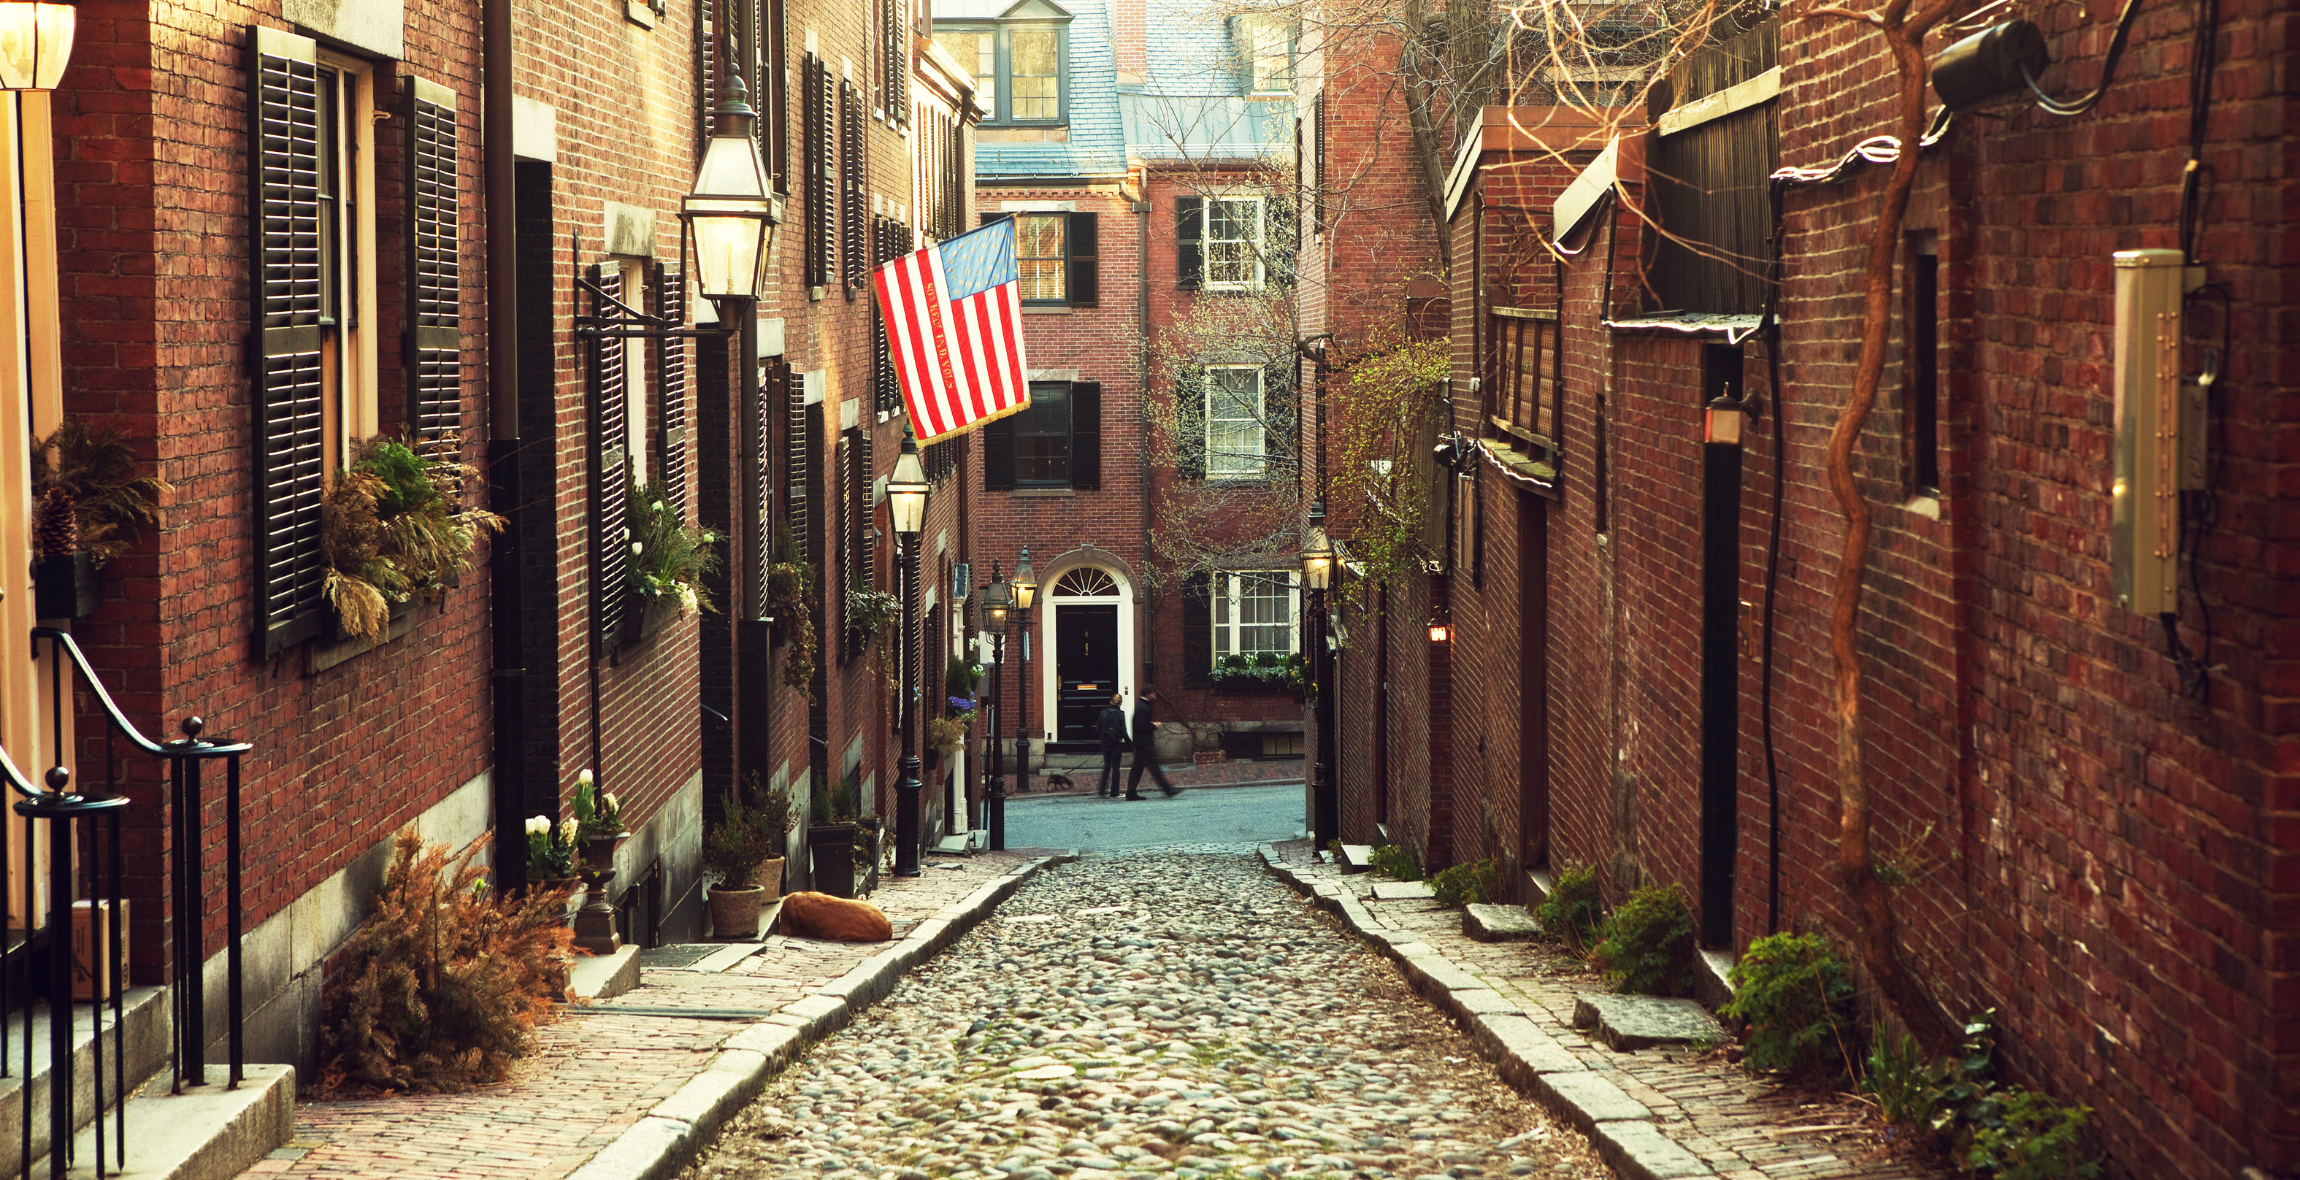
[(59, 780), (192, 727)]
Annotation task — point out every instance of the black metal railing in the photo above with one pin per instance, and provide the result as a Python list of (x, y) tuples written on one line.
[(89, 824)]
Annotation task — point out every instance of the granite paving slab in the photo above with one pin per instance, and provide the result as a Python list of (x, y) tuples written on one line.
[(1629, 1023), (1498, 923), (1401, 890)]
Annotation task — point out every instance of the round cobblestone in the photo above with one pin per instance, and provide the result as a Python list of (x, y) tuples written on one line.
[(1172, 1014)]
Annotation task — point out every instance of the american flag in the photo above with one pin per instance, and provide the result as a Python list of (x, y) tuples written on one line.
[(954, 324)]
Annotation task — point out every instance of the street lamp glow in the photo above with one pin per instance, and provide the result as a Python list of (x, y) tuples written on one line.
[(997, 601), (907, 489), (730, 215), (1317, 559), (35, 43), (1025, 582)]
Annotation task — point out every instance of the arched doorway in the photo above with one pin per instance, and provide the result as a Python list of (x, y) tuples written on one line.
[(1088, 638)]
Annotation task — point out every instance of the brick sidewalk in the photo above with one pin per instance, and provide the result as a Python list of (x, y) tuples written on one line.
[(595, 1076), (1739, 1127)]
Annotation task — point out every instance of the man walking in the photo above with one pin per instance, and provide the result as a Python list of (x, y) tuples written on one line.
[(1110, 726), (1146, 750)]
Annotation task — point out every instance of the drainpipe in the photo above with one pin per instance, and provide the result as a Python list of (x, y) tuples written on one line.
[(1144, 626), (503, 459)]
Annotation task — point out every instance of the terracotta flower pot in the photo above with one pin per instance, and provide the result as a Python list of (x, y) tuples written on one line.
[(769, 878), (735, 912)]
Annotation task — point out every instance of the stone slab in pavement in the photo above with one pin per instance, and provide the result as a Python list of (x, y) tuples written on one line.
[(1629, 1023), (1401, 890), (1637, 1148), (625, 1091), (1498, 923)]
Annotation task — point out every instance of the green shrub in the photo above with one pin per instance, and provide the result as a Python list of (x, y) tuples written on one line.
[(1391, 860), (1574, 909), (1467, 884), (1798, 999), (1954, 1101), (1647, 945)]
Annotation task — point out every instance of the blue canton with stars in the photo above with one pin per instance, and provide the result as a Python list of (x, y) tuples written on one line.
[(977, 260)]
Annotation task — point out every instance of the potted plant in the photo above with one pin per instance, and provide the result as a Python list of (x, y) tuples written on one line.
[(734, 849), (790, 616), (832, 841), (551, 851), (869, 614), (668, 561), (394, 532), (89, 506), (598, 821)]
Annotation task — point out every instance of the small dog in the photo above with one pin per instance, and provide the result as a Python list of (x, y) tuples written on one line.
[(1060, 782)]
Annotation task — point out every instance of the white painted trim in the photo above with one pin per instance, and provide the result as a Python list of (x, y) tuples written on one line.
[(1740, 96), (1583, 194), (1044, 648), (1464, 167)]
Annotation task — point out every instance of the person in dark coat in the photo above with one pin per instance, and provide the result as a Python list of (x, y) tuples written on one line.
[(1110, 726), (1146, 750)]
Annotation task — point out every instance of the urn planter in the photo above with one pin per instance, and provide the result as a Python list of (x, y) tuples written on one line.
[(735, 912)]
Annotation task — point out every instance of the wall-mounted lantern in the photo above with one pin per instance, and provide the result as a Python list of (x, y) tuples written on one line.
[(35, 42)]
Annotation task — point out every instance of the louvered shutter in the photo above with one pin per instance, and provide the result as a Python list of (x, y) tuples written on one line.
[(1085, 276), (1318, 164), (610, 470), (854, 186), (1189, 242), (759, 521), (815, 151), (887, 385), (1190, 423), (998, 455), (434, 271), (707, 67), (866, 540), (1197, 631), (1086, 436), (671, 391), (291, 454)]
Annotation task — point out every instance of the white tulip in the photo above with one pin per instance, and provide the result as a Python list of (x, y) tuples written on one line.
[(538, 825), (583, 777)]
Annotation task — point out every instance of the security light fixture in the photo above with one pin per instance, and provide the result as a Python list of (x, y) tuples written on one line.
[(35, 42), (1440, 632), (1723, 422), (730, 215), (1997, 60), (907, 490)]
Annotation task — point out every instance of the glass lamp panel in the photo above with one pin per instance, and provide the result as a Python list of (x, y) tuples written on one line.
[(35, 44), (732, 171), (729, 255)]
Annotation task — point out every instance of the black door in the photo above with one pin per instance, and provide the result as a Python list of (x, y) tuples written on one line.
[(1085, 668)]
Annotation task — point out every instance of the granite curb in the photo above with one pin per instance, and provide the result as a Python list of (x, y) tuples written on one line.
[(660, 1143), (1522, 1050)]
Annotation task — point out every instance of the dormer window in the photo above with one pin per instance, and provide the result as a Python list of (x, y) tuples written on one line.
[(1020, 61), (1266, 48)]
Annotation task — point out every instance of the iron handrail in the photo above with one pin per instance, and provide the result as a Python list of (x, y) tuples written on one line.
[(191, 746)]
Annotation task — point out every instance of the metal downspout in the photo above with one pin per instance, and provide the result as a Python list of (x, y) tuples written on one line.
[(503, 459)]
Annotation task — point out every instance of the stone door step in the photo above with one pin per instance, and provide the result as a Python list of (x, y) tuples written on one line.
[(1357, 858), (1498, 923), (205, 1133), (1628, 1023), (145, 1015), (602, 977)]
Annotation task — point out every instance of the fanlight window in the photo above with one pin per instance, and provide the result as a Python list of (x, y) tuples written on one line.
[(1086, 583)]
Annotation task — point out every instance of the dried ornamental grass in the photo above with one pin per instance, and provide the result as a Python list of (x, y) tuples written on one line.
[(442, 988)]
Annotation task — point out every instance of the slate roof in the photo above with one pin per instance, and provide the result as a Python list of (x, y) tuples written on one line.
[(1189, 105)]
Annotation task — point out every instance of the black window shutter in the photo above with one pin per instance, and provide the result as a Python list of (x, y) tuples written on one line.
[(989, 218), (610, 470), (707, 68), (774, 84), (1190, 423), (998, 455), (1318, 163), (1085, 266), (291, 454), (1189, 248), (434, 286), (1197, 631), (854, 186), (1086, 436), (671, 391)]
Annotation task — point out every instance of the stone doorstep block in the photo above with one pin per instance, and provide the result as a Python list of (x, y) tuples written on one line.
[(778, 1043), (1356, 858), (1639, 1150), (205, 1133), (1402, 890), (1498, 923), (148, 1018), (652, 1149), (1629, 1023), (603, 977), (1586, 1099), (1523, 1049), (707, 1098)]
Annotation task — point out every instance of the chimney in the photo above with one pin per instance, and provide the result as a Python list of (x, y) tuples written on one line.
[(1126, 35)]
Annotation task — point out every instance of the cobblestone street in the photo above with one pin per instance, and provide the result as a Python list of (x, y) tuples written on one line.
[(1178, 1013)]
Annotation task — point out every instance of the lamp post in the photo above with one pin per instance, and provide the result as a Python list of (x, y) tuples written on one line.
[(36, 43), (1025, 584), (1317, 575), (906, 493), (730, 217), (997, 601)]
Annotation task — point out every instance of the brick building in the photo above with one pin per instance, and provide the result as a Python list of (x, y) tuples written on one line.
[(257, 236), (2089, 791)]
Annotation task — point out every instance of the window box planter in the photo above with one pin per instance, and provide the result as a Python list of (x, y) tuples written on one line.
[(64, 587), (646, 614), (1251, 686)]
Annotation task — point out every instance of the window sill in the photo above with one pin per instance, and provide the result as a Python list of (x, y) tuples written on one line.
[(1022, 133), (1043, 493), (1045, 309), (326, 654)]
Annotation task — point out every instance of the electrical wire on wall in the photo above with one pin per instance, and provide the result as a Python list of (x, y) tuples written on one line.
[(2070, 107), (1772, 329), (2199, 507)]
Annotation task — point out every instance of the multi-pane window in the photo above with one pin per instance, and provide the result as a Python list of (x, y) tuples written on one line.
[(1233, 242), (1042, 253), (1017, 64), (1234, 423), (1034, 75), (1267, 44), (634, 381), (1042, 438), (1254, 613)]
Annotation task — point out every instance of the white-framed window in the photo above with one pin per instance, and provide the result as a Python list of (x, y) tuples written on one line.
[(344, 209), (637, 410), (1019, 62), (1254, 613), (1234, 243), (1266, 42), (1236, 433), (1042, 253)]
